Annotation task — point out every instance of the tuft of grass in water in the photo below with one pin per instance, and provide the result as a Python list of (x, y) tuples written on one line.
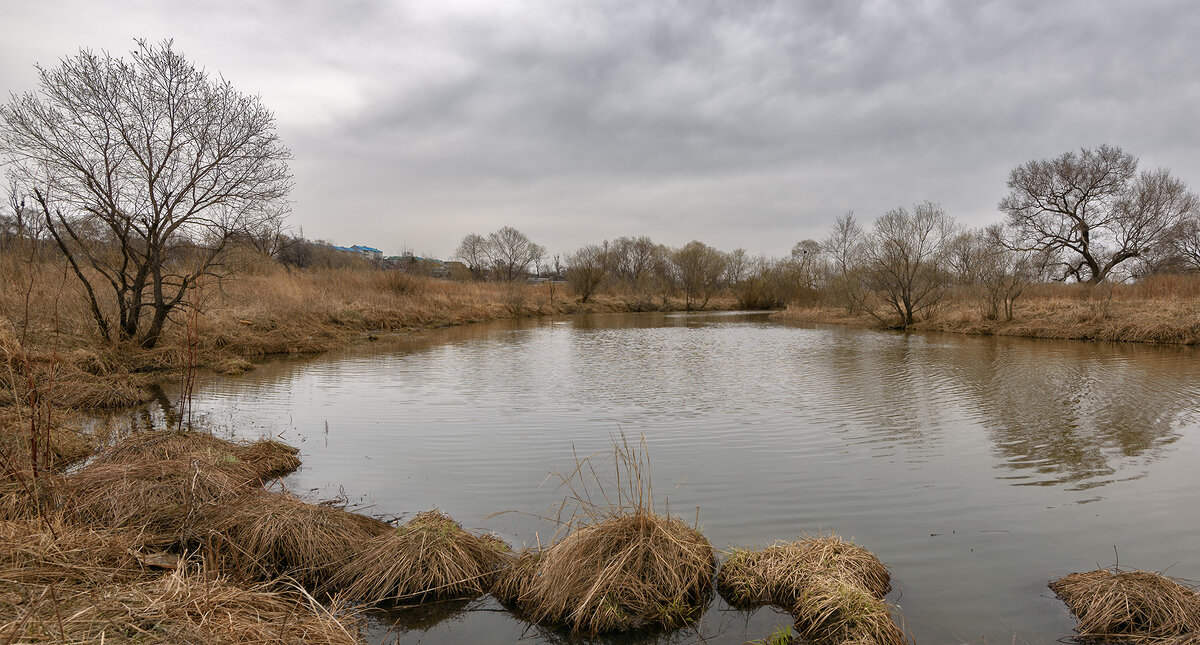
[(1136, 606), (833, 610), (430, 557), (264, 534), (778, 574), (620, 565), (833, 588)]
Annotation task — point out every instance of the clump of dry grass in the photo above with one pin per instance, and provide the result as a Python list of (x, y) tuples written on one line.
[(63, 583), (430, 557), (778, 574), (834, 610), (834, 588), (258, 461), (264, 535), (627, 572), (1130, 605), (165, 500), (619, 565), (513, 577)]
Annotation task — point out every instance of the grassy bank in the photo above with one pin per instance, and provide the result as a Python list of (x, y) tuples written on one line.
[(47, 331), (1164, 309)]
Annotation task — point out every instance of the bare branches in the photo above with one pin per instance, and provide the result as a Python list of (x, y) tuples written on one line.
[(145, 168), (1092, 211)]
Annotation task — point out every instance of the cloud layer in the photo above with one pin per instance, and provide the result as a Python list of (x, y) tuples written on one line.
[(746, 124)]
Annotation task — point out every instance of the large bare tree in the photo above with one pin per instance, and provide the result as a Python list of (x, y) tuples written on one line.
[(1092, 211), (143, 170)]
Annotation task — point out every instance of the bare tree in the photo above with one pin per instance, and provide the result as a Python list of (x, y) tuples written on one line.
[(634, 260), (1185, 242), (844, 249), (473, 253), (511, 253), (143, 170), (904, 259), (984, 263), (699, 268), (586, 269), (1092, 211), (805, 263)]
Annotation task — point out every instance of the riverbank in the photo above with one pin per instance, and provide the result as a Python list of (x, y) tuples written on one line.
[(47, 332), (1148, 313)]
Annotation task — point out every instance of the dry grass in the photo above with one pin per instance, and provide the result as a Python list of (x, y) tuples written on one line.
[(66, 584), (263, 535), (779, 574), (512, 579), (166, 501), (833, 610), (428, 558), (260, 460), (834, 588), (1162, 309), (617, 565), (1132, 606), (628, 572)]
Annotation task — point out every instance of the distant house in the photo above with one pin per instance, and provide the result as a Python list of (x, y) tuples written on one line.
[(373, 254), (365, 251)]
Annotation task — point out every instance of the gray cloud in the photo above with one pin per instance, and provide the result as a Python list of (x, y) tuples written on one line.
[(743, 124)]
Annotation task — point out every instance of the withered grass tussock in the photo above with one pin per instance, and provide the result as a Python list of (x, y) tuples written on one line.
[(164, 500), (834, 609), (428, 558), (833, 588), (778, 574), (1131, 605), (62, 583), (259, 460), (513, 577), (265, 534), (620, 566)]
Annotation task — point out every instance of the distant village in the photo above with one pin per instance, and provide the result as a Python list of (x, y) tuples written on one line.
[(433, 267)]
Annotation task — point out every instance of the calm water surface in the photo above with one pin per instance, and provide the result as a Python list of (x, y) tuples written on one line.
[(977, 468)]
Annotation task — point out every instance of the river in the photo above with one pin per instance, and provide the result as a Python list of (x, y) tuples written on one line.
[(977, 468)]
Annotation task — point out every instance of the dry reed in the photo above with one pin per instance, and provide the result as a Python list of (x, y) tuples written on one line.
[(263, 535), (1132, 606), (428, 558)]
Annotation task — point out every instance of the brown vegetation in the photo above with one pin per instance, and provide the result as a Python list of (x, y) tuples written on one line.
[(627, 572), (621, 565), (1161, 309), (430, 557), (1131, 606), (63, 583), (833, 588), (263, 535)]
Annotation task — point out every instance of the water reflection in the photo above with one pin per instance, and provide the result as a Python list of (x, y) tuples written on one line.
[(1078, 413)]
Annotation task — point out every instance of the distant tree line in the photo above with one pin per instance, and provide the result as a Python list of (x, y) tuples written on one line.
[(1088, 217)]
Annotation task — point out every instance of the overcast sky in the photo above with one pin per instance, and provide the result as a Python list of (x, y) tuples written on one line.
[(738, 123)]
